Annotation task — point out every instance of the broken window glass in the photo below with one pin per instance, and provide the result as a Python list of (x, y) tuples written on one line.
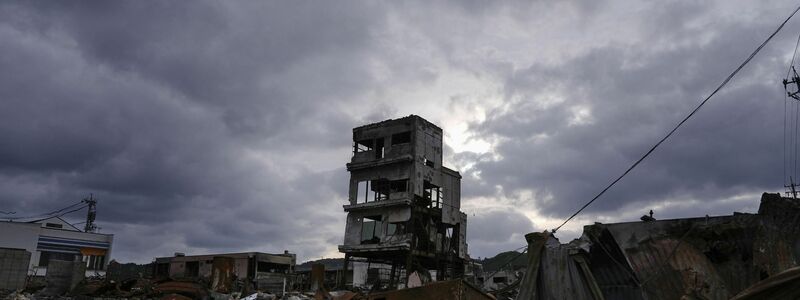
[(401, 138), (381, 189)]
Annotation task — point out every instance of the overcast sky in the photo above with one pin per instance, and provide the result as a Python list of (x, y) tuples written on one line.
[(214, 126)]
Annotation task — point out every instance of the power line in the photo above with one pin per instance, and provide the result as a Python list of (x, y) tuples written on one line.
[(724, 82), (785, 111), (49, 214), (500, 268), (62, 214)]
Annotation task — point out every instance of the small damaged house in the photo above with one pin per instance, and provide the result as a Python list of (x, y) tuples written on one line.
[(404, 214), (694, 258), (54, 238), (266, 272)]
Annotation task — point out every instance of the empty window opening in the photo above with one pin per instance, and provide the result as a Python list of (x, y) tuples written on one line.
[(432, 194), (499, 279), (269, 267), (381, 189), (162, 270), (53, 225), (376, 190), (378, 275), (192, 269), (447, 242), (46, 256), (365, 193), (362, 146), (398, 186), (401, 138), (370, 230), (395, 228), (429, 162), (95, 262), (379, 149)]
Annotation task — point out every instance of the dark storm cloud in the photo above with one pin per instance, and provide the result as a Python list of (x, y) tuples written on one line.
[(633, 95), (182, 119), (496, 229), (223, 126)]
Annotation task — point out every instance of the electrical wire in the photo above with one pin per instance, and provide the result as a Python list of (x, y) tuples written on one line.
[(785, 111), (509, 261), (61, 214), (49, 214), (724, 82)]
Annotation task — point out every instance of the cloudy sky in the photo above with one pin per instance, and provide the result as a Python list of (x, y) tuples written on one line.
[(217, 126)]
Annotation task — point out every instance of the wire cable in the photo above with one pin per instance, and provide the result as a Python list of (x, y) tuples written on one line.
[(785, 112), (724, 82), (49, 214), (500, 268)]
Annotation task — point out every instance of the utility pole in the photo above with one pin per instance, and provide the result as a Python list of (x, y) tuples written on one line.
[(794, 191), (91, 214)]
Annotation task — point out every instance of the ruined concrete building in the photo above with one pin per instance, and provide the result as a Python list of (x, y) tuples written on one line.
[(404, 211), (262, 271)]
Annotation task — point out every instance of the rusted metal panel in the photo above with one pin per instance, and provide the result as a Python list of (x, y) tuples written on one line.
[(317, 277), (781, 286), (192, 289), (693, 258), (222, 273), (553, 272), (528, 287)]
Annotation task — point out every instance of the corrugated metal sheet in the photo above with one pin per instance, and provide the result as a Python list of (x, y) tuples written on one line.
[(781, 286), (695, 258), (559, 275)]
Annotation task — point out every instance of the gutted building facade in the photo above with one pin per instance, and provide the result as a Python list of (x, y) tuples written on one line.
[(404, 206), (261, 271)]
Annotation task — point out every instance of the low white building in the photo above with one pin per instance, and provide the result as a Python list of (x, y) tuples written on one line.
[(54, 238)]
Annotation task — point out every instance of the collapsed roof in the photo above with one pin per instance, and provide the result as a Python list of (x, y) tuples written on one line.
[(694, 258)]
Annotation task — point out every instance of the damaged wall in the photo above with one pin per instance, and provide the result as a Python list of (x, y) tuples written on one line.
[(13, 268)]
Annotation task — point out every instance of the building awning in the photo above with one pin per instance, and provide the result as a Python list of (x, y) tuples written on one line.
[(68, 245), (92, 251)]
